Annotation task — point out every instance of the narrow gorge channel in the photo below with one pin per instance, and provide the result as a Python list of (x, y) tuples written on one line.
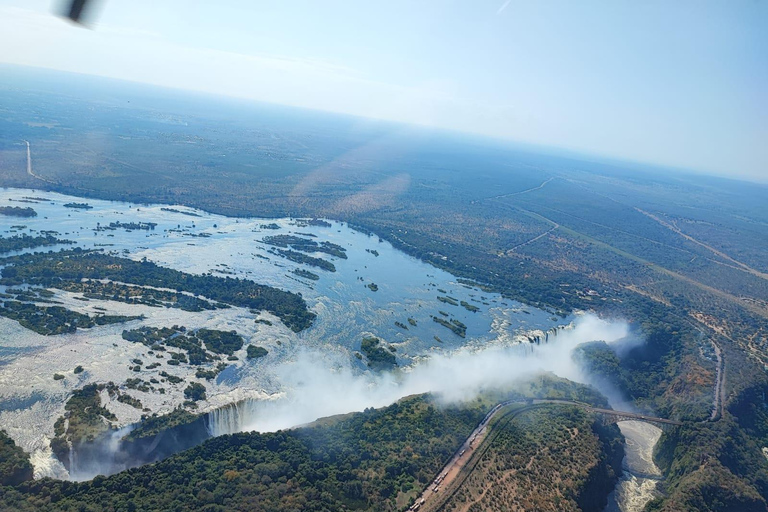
[(639, 483)]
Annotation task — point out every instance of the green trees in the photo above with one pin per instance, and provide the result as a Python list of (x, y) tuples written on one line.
[(255, 352), (195, 391), (366, 461), (221, 342), (17, 211), (50, 320), (65, 267), (14, 463), (379, 357), (305, 245), (24, 241)]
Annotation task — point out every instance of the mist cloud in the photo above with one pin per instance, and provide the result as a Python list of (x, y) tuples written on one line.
[(318, 385), (315, 390)]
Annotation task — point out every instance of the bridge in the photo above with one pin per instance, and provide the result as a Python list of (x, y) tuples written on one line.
[(448, 481), (610, 416)]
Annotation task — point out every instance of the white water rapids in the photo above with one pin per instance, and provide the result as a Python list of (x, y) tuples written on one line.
[(638, 485)]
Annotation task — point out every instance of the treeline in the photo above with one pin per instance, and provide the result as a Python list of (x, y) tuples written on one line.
[(299, 257), (24, 241), (18, 211), (305, 245), (94, 289), (14, 463), (51, 320), (72, 266)]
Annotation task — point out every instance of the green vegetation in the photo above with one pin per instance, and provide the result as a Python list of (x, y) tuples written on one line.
[(373, 287), (72, 266), (379, 357), (305, 245), (58, 376), (174, 210), (84, 417), (412, 322), (374, 460), (153, 425), (78, 369), (448, 300), (194, 343), (733, 469), (195, 391), (173, 379), (93, 289), (51, 320), (128, 226), (220, 342), (306, 274), (138, 384), (454, 325), (24, 241), (298, 257), (78, 206), (128, 399), (212, 373), (313, 222), (17, 211), (551, 458), (573, 234), (15, 467), (255, 352), (469, 307), (401, 325), (364, 461)]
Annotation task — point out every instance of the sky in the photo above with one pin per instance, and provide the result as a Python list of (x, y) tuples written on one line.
[(682, 83)]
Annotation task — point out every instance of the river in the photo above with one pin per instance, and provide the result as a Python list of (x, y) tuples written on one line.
[(399, 310), (639, 483)]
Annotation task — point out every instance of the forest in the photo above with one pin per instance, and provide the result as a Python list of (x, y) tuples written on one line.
[(379, 459), (18, 211), (24, 241), (57, 269)]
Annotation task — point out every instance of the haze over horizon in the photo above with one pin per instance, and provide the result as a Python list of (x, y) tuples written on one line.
[(684, 85)]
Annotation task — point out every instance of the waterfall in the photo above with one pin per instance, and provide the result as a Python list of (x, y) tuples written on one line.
[(231, 418), (71, 457)]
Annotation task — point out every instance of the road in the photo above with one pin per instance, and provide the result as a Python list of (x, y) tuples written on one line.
[(29, 166), (436, 493), (672, 226), (719, 397), (452, 475), (511, 194)]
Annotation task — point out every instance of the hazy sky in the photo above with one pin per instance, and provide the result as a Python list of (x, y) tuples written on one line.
[(673, 82)]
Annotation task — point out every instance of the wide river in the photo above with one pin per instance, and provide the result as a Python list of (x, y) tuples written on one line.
[(194, 241)]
